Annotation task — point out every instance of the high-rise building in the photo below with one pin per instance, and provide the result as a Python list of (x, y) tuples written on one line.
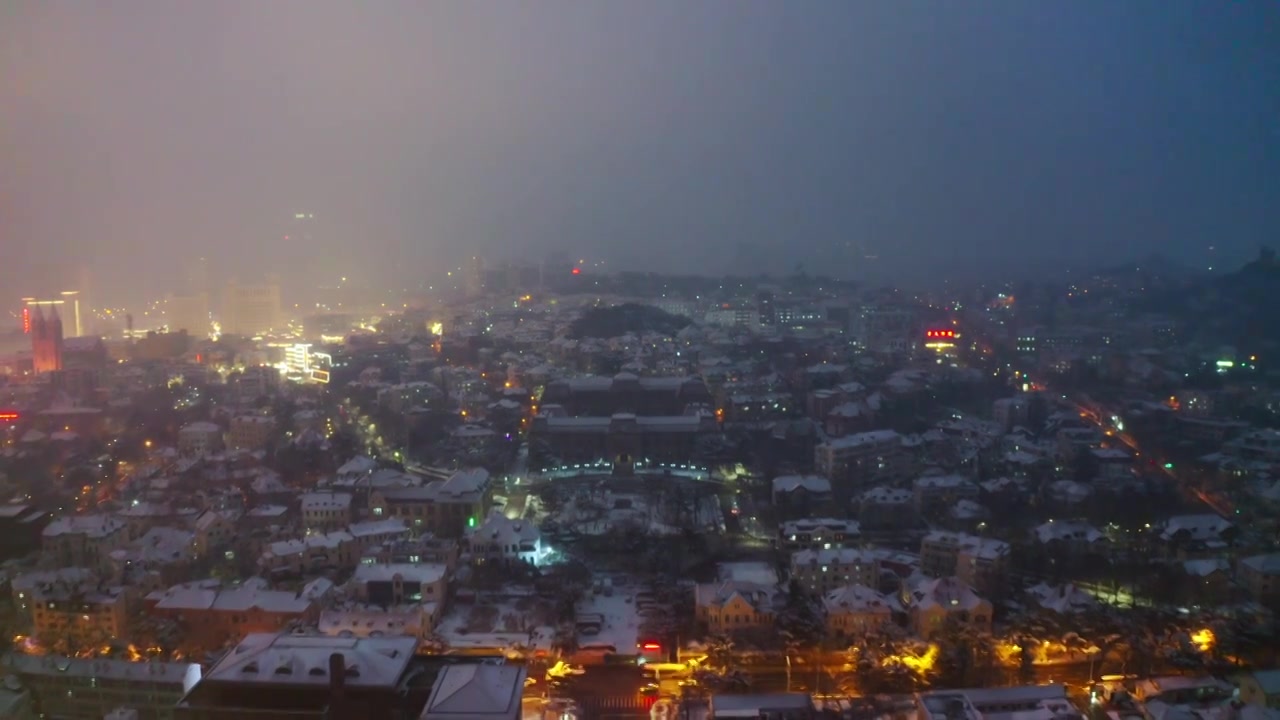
[(46, 340), (764, 304), (190, 313), (251, 309), (474, 277), (69, 300)]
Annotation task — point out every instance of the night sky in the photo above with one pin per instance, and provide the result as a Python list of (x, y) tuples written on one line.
[(949, 139)]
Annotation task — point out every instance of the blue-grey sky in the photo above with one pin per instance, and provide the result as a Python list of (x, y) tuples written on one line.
[(695, 135)]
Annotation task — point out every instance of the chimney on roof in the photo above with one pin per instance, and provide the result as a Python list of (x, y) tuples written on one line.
[(337, 678)]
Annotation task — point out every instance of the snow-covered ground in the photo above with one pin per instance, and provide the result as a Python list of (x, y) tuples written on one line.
[(500, 625), (596, 512), (621, 621)]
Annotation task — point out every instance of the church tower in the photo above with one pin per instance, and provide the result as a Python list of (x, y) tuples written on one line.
[(46, 341)]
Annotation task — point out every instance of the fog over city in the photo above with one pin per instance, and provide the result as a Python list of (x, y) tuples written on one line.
[(639, 360), (892, 141)]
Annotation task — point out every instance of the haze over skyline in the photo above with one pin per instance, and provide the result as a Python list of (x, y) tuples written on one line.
[(664, 135)]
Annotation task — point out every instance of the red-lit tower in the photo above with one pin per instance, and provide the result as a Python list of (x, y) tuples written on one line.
[(46, 341)]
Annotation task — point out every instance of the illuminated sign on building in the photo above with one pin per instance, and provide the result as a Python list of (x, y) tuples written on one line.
[(940, 339), (8, 416), (26, 320)]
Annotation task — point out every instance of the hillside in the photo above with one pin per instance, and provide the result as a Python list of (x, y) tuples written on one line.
[(616, 320)]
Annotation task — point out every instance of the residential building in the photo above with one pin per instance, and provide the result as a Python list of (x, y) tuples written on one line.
[(733, 606), (506, 541), (818, 533), (214, 530), (1061, 599), (1192, 536), (209, 616), (821, 571), (1260, 576), (937, 492), (77, 617), (325, 510), (863, 459), (1071, 537), (83, 689), (24, 585), (199, 438), (1260, 687), (884, 508), (400, 583), (250, 432), (977, 561), (933, 602), (801, 493), (1262, 445), (855, 610), (82, 540)]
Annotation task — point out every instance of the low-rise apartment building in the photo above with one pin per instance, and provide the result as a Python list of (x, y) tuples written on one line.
[(211, 616), (82, 540), (821, 571), (977, 561), (734, 606), (325, 510), (855, 610), (818, 534)]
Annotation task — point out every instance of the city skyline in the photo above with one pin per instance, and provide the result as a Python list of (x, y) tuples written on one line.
[(722, 138)]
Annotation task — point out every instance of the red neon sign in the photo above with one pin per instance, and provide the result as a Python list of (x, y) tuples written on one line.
[(940, 333), (8, 416), (26, 320), (652, 646)]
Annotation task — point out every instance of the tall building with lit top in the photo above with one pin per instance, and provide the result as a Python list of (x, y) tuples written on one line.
[(46, 340)]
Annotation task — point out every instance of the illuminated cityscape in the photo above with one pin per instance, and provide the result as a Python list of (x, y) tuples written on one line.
[(667, 360)]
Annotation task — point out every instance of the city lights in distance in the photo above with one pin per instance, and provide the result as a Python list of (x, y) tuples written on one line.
[(576, 270)]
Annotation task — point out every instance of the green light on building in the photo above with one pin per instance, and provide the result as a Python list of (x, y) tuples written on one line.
[(471, 521)]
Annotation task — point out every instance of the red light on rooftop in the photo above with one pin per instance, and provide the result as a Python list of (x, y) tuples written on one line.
[(652, 646)]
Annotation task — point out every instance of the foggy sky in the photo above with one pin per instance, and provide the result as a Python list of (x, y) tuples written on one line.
[(695, 135)]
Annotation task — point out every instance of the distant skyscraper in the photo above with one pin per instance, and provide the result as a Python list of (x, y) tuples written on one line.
[(71, 299), (46, 340), (474, 277), (197, 281), (190, 313), (251, 309)]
